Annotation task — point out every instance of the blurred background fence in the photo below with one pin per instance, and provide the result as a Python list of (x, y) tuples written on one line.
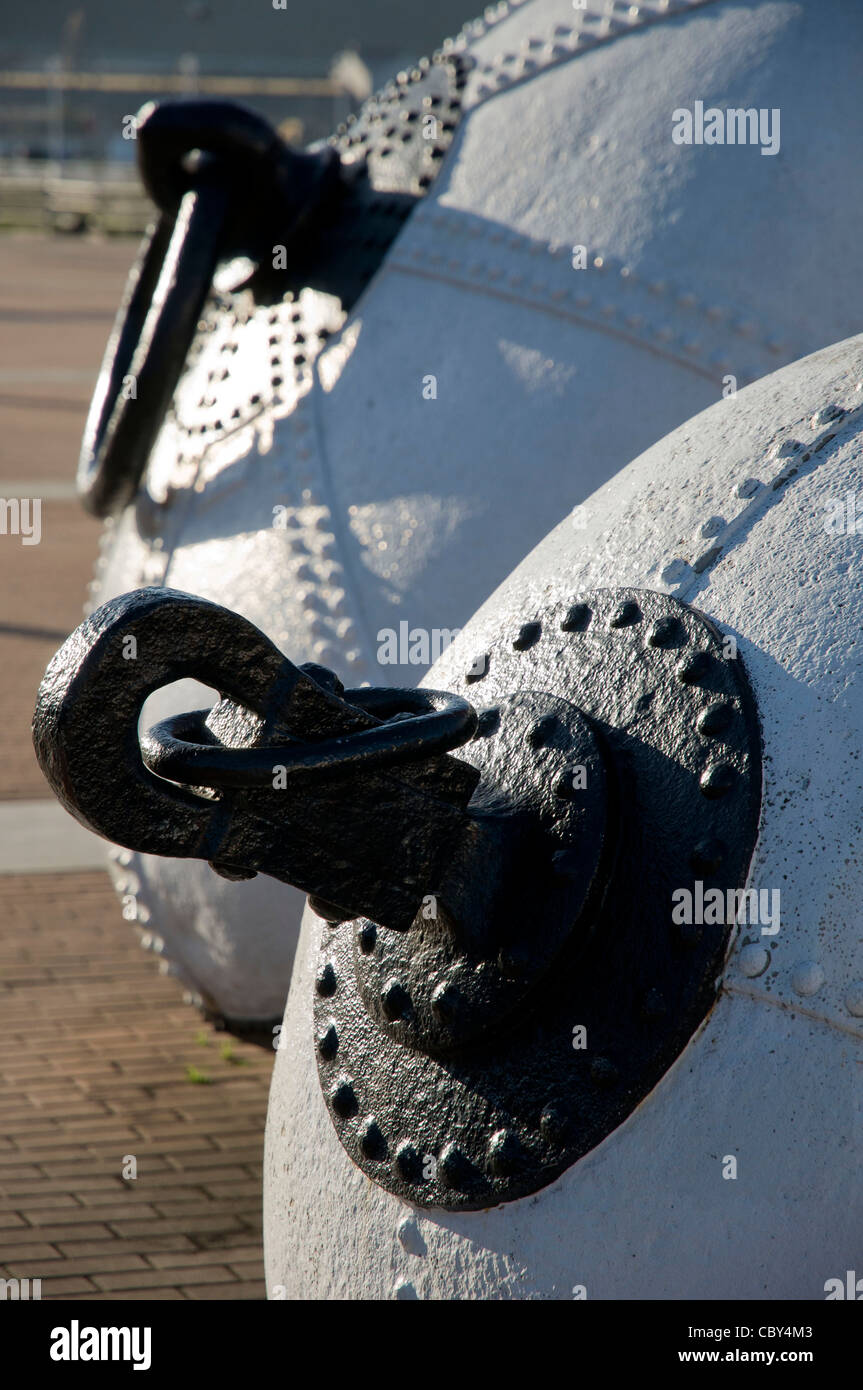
[(73, 76)]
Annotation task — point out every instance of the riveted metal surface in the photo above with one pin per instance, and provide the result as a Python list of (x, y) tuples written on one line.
[(390, 154), (468, 1111)]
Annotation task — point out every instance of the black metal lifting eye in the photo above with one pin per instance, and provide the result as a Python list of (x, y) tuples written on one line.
[(225, 184), (503, 975), (286, 745)]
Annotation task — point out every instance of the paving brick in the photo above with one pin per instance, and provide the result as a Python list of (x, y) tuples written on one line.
[(102, 1263), (92, 1165), (85, 1215), (241, 1253), (227, 1240), (59, 1288), (241, 1187), (248, 1270), (239, 1206), (231, 1292), (207, 1175), (149, 1193), (190, 1225), (132, 1296), (10, 1220), (34, 1252), (51, 1202), (52, 1235), (141, 1245), (185, 1162), (32, 1188), (36, 1153), (166, 1278)]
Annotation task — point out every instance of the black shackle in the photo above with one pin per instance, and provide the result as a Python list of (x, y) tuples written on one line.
[(225, 185), (316, 787)]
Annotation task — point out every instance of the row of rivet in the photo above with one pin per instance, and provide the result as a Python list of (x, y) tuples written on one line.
[(324, 600), (806, 977), (718, 778), (560, 296), (504, 1151), (790, 453), (539, 53)]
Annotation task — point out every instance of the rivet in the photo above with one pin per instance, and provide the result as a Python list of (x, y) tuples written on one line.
[(553, 1123), (576, 618), (825, 414), (747, 488), (542, 731), (478, 668), (488, 721), (394, 999), (787, 449), (666, 632), (603, 1072), (712, 526), (692, 667), (372, 1141), (528, 635), (754, 960), (328, 1043), (504, 1153), (854, 999), (343, 1099), (714, 718), (446, 1001), (717, 779), (325, 984), (707, 856), (625, 614), (367, 936), (807, 978), (408, 1161), (453, 1166), (404, 1291), (410, 1236)]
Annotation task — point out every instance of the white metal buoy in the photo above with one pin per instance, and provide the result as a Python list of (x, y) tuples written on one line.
[(736, 1175)]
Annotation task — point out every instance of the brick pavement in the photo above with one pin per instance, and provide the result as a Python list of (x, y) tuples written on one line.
[(100, 1056)]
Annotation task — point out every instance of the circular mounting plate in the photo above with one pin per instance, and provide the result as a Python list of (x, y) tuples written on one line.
[(559, 1058)]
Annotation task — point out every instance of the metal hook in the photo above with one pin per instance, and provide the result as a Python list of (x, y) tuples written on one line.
[(224, 183), (335, 833)]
